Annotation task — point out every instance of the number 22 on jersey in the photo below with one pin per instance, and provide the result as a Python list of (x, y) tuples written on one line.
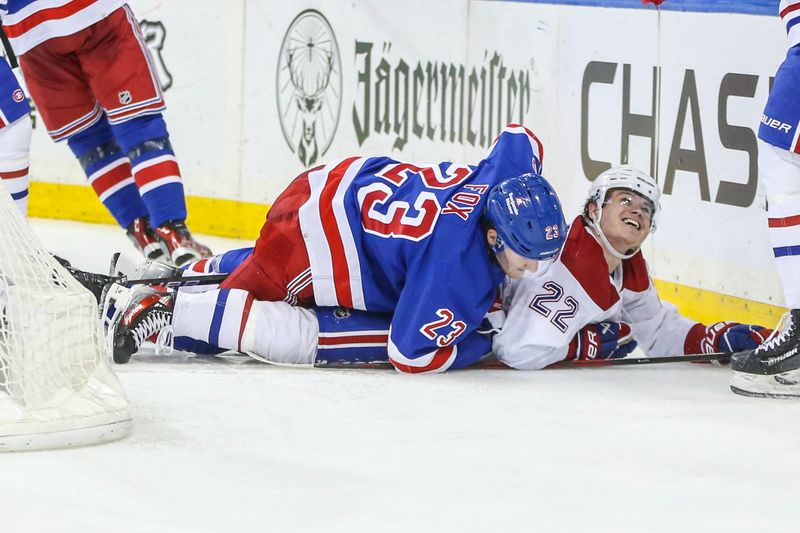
[(550, 305)]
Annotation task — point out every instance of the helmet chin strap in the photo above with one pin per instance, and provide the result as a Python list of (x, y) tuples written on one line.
[(595, 225)]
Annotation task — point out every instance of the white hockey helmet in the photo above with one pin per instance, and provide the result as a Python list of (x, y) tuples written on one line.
[(628, 178)]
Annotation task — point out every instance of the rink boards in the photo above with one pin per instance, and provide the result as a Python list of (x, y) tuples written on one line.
[(261, 90)]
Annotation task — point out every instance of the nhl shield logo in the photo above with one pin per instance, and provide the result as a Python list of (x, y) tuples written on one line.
[(125, 97), (340, 313), (309, 86), (18, 95)]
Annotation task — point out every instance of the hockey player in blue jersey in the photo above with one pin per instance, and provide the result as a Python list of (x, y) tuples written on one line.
[(422, 249)]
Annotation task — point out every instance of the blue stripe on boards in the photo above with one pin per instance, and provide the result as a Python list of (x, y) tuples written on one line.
[(783, 251), (747, 7), (216, 320)]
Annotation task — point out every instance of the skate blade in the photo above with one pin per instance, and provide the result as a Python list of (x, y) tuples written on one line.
[(779, 386)]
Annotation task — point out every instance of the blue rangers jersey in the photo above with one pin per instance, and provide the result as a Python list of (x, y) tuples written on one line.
[(780, 122), (392, 237)]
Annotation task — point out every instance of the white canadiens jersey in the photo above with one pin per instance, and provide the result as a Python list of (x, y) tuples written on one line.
[(790, 15), (546, 310), (28, 23)]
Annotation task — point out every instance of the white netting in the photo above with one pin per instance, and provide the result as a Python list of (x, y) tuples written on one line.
[(57, 388)]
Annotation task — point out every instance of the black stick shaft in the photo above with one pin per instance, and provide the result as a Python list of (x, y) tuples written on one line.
[(583, 363), (174, 281), (493, 364)]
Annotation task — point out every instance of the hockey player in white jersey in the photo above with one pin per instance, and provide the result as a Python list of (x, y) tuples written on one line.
[(773, 369), (596, 299)]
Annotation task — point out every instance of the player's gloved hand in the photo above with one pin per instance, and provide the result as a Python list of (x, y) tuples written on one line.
[(656, 2), (604, 340), (726, 337), (732, 337), (494, 318)]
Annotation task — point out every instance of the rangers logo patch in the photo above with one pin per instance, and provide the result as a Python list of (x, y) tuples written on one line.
[(18, 95), (125, 97)]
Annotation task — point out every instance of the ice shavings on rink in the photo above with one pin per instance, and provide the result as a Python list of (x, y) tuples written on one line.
[(232, 445)]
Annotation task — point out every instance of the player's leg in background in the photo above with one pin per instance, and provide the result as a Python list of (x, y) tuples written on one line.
[(70, 111), (15, 137), (779, 171), (15, 142), (119, 70), (109, 173)]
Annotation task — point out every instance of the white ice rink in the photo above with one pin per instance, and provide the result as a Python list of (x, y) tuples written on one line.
[(220, 446)]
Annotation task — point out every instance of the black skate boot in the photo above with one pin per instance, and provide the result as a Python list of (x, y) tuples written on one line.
[(180, 244), (148, 315), (779, 353), (146, 241)]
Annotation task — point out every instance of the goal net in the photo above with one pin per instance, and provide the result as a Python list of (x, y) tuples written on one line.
[(57, 388)]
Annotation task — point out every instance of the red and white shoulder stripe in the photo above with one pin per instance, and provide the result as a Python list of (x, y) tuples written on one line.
[(790, 14), (332, 252), (41, 20), (433, 362)]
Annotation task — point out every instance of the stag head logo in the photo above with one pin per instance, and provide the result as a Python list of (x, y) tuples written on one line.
[(309, 86)]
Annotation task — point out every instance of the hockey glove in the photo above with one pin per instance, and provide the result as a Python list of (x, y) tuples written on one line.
[(494, 318), (656, 2), (604, 340), (730, 337)]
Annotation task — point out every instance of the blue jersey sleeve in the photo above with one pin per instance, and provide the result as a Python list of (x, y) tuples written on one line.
[(434, 323), (515, 151)]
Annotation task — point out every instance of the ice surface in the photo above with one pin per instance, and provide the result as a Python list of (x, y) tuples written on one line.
[(222, 446)]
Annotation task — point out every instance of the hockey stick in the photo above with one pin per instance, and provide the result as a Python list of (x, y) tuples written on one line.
[(699, 358), (494, 364), (177, 280), (171, 282)]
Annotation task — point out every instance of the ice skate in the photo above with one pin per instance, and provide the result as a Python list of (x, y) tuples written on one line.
[(145, 240), (771, 370), (180, 244), (147, 315), (785, 386), (778, 354)]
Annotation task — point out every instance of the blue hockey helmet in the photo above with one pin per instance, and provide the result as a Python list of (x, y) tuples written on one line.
[(527, 216)]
